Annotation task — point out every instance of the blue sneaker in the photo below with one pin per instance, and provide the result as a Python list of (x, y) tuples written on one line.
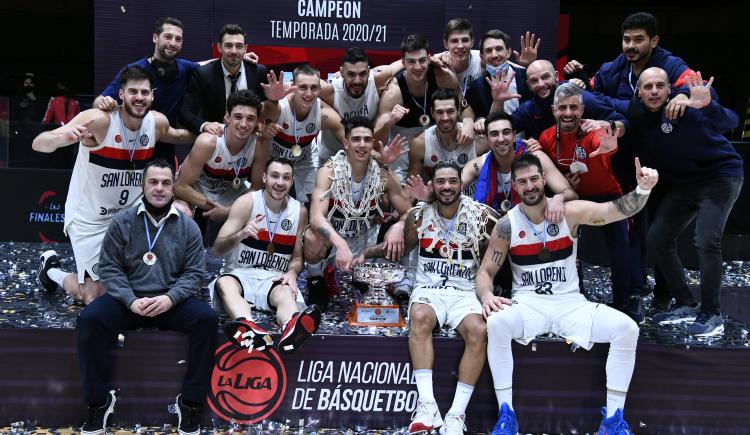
[(506, 422), (614, 425)]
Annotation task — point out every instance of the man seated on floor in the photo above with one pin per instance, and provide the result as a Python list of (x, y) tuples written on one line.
[(448, 233), (546, 297), (350, 193), (152, 266), (262, 239)]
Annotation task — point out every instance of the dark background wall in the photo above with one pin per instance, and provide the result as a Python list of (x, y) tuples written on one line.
[(55, 38)]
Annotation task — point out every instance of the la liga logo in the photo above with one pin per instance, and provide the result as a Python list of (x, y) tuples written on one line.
[(246, 387)]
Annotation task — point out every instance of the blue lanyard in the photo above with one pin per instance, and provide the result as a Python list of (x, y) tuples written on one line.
[(237, 164), (268, 220), (424, 99), (124, 129), (533, 230), (148, 234)]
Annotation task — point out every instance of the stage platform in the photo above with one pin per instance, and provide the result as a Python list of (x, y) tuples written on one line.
[(359, 379)]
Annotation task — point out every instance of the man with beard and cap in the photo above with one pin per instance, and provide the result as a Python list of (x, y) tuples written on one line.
[(211, 84), (535, 115), (170, 77), (152, 266), (546, 298), (440, 141), (494, 49), (114, 147), (262, 243), (405, 106), (355, 93), (449, 233), (346, 206), (704, 175)]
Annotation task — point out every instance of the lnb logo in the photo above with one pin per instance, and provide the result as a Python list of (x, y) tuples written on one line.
[(246, 387)]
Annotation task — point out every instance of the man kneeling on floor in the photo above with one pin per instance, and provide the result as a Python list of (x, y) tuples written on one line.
[(262, 239), (152, 266)]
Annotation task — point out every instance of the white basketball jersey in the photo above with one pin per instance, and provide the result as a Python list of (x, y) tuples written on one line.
[(253, 252), (107, 178), (472, 72), (215, 180), (434, 151), (348, 107), (307, 130), (435, 270), (556, 274)]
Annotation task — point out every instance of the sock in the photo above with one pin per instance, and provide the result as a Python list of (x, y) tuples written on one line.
[(504, 395), (461, 398), (315, 269), (423, 377), (615, 401), (57, 275)]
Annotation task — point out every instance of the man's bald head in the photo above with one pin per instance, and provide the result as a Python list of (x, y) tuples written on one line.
[(541, 78), (653, 88)]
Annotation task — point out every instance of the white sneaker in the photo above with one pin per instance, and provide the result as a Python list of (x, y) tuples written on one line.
[(453, 425), (425, 418)]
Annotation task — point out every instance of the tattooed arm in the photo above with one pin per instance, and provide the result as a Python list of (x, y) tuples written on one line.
[(494, 257), (591, 213)]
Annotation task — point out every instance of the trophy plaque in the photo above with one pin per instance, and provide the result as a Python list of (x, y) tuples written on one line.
[(376, 307)]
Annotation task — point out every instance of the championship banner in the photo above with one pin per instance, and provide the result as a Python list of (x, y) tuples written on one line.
[(287, 32)]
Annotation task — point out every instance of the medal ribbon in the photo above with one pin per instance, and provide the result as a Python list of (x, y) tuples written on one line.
[(237, 164), (423, 106), (268, 220), (533, 230), (131, 151), (151, 244)]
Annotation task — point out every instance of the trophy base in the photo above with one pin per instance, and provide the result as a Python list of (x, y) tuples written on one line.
[(375, 315)]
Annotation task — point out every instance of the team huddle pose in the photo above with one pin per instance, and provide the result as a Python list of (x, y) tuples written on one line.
[(443, 162)]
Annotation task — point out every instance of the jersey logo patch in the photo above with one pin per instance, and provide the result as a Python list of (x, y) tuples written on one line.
[(310, 128), (144, 140), (553, 230), (463, 158), (667, 127), (286, 225)]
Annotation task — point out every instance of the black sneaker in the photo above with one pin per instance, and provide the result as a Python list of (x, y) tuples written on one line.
[(47, 261), (187, 418), (706, 325), (634, 309), (317, 292), (677, 314), (298, 328), (96, 422)]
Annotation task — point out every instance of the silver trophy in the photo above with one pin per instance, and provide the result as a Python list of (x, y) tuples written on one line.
[(377, 307)]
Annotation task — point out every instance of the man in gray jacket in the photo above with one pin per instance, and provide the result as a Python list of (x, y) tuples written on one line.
[(152, 265)]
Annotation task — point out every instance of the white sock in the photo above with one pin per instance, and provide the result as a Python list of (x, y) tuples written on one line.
[(461, 398), (504, 395), (57, 275), (615, 401), (423, 377), (315, 269)]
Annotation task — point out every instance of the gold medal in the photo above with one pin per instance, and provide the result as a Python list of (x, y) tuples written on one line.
[(424, 120), (270, 248), (544, 254), (236, 183), (444, 250), (296, 150), (149, 258), (464, 103)]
